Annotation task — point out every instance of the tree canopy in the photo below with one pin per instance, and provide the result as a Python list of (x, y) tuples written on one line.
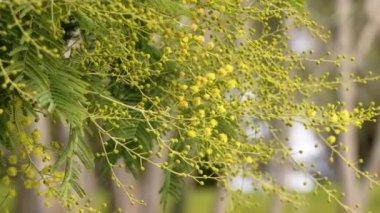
[(191, 82)]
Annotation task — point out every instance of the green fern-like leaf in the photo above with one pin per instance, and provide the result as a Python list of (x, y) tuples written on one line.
[(76, 147), (169, 6), (171, 187)]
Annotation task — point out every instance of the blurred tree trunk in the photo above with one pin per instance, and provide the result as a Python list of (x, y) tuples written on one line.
[(347, 94), (221, 198), (364, 46), (150, 187), (146, 188), (355, 191), (152, 180), (278, 171), (118, 197), (180, 205)]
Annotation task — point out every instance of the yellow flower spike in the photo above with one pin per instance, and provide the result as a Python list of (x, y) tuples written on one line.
[(1, 111)]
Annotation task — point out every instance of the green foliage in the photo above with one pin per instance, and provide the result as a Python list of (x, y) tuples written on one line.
[(299, 4), (131, 72)]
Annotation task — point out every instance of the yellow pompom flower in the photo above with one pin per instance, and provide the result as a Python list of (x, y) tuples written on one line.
[(183, 87), (207, 132), (229, 68), (231, 84), (206, 96), (209, 151), (12, 159), (29, 172), (183, 104), (223, 137), (213, 123), (222, 72), (38, 151), (5, 180), (199, 39), (345, 115), (197, 101), (194, 89), (221, 109), (248, 160), (210, 76), (12, 171), (333, 118), (192, 133), (36, 135), (331, 139), (211, 45), (28, 184), (12, 193), (202, 113), (215, 93), (194, 27)]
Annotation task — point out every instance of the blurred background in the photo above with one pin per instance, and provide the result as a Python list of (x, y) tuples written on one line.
[(355, 32)]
